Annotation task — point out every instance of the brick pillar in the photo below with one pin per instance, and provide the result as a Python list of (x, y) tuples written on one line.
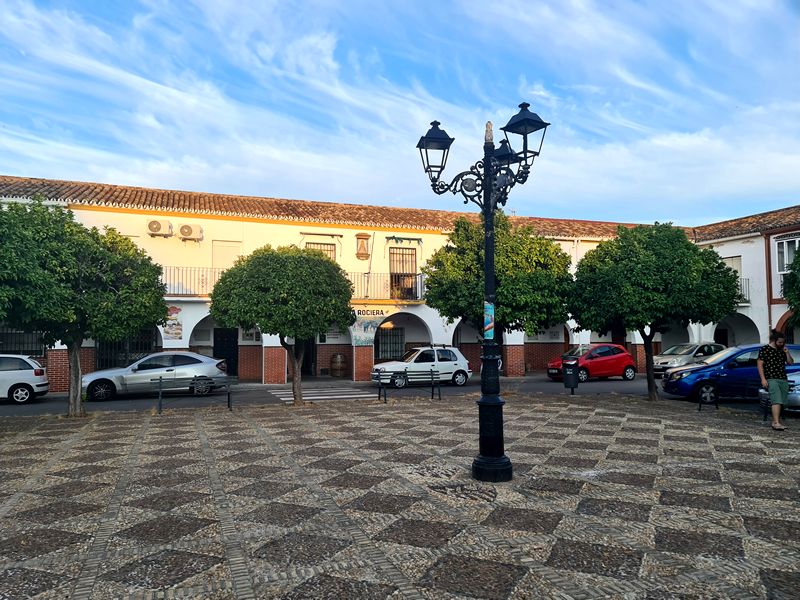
[(251, 363), (514, 360), (57, 363), (275, 360), (363, 361)]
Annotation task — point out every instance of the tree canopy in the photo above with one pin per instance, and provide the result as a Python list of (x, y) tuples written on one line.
[(531, 273), (649, 278), (72, 283), (791, 291), (289, 292)]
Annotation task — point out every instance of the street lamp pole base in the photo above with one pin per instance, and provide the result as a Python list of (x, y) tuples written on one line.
[(491, 469)]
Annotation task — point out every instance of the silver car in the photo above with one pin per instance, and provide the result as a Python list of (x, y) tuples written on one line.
[(195, 373), (794, 394), (683, 354)]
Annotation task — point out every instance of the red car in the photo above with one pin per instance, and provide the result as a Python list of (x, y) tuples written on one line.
[(596, 360)]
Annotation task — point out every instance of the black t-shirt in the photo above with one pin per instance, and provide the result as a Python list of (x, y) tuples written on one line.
[(774, 362)]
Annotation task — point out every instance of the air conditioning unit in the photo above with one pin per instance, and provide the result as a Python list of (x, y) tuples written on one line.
[(159, 227), (188, 231)]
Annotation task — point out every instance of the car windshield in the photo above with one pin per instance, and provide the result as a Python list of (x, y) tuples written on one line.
[(578, 350), (721, 356), (409, 356), (679, 350)]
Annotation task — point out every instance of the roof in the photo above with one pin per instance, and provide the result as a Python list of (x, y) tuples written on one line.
[(77, 193), (758, 223)]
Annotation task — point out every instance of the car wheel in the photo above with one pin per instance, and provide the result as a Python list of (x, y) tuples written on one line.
[(583, 375), (399, 381), (707, 393), (200, 386), (629, 373), (20, 393), (459, 378), (101, 390)]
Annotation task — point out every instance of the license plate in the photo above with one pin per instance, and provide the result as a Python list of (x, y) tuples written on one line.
[(552, 370)]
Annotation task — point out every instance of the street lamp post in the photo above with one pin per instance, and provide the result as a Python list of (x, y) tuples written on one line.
[(487, 184)]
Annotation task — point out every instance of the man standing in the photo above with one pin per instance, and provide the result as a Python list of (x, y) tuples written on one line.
[(772, 361)]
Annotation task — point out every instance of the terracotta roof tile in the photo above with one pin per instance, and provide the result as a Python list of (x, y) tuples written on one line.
[(147, 199), (758, 223)]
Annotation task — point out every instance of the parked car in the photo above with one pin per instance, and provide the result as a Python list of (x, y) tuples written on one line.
[(794, 393), (22, 378), (683, 354), (596, 360), (200, 372), (731, 373), (446, 360)]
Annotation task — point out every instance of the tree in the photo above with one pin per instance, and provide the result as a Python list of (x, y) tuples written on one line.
[(532, 276), (791, 292), (72, 283), (289, 292), (648, 278)]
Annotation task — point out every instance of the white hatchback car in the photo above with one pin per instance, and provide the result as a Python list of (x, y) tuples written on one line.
[(447, 361), (22, 378)]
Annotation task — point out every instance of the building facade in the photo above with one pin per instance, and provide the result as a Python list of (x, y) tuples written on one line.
[(196, 236)]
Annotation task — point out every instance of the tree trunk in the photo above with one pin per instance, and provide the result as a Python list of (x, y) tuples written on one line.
[(652, 389), (75, 407), (296, 352)]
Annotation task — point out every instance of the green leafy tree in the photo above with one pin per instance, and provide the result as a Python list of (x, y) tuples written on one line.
[(531, 273), (289, 292), (791, 292), (647, 278), (72, 283)]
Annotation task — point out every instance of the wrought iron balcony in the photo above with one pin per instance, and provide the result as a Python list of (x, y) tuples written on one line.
[(200, 281), (387, 286), (190, 281), (744, 291)]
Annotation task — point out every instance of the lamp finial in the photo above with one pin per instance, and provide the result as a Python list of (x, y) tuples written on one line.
[(489, 138)]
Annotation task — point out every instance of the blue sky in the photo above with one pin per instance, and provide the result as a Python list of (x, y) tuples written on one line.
[(685, 111)]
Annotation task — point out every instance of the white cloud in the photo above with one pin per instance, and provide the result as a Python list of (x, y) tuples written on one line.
[(299, 100)]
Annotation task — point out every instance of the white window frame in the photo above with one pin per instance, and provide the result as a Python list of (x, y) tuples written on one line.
[(781, 252)]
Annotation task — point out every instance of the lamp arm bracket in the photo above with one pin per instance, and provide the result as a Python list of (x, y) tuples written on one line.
[(467, 183)]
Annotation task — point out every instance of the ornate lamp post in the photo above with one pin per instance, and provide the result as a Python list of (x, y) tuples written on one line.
[(487, 184)]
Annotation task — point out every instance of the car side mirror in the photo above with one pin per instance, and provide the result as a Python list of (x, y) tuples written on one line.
[(732, 365), (134, 369)]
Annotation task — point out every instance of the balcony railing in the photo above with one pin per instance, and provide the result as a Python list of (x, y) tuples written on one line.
[(200, 281), (744, 290), (190, 281), (387, 286)]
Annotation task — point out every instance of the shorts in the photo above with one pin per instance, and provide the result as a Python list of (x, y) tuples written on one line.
[(778, 391)]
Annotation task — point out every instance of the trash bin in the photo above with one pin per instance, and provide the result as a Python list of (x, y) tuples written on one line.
[(569, 370), (338, 365)]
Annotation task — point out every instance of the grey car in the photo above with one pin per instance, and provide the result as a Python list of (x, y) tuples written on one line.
[(187, 371), (794, 394), (683, 354)]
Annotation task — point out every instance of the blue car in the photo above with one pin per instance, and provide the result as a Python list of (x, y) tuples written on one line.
[(731, 373)]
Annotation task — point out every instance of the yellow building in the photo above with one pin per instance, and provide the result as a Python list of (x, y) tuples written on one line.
[(195, 236)]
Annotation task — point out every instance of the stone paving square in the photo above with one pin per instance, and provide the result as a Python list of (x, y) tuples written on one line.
[(611, 498)]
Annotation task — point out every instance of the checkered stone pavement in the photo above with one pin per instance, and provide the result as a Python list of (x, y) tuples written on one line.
[(612, 498)]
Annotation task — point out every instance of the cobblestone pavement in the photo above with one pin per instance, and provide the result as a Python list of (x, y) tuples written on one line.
[(612, 498)]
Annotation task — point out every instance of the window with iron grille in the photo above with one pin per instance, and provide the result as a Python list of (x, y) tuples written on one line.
[(20, 342), (328, 250), (403, 273), (390, 344)]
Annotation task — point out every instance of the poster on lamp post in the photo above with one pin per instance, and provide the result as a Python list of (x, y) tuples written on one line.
[(488, 321)]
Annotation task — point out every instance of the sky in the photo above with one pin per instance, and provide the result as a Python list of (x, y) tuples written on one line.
[(685, 111)]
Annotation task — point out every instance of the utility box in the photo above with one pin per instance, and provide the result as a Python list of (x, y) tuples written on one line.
[(569, 371)]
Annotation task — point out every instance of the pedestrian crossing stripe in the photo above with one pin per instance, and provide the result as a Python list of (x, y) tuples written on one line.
[(310, 394)]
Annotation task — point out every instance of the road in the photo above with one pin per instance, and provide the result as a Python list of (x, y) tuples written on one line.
[(333, 390)]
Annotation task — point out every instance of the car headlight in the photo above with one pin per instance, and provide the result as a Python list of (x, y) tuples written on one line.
[(681, 375)]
